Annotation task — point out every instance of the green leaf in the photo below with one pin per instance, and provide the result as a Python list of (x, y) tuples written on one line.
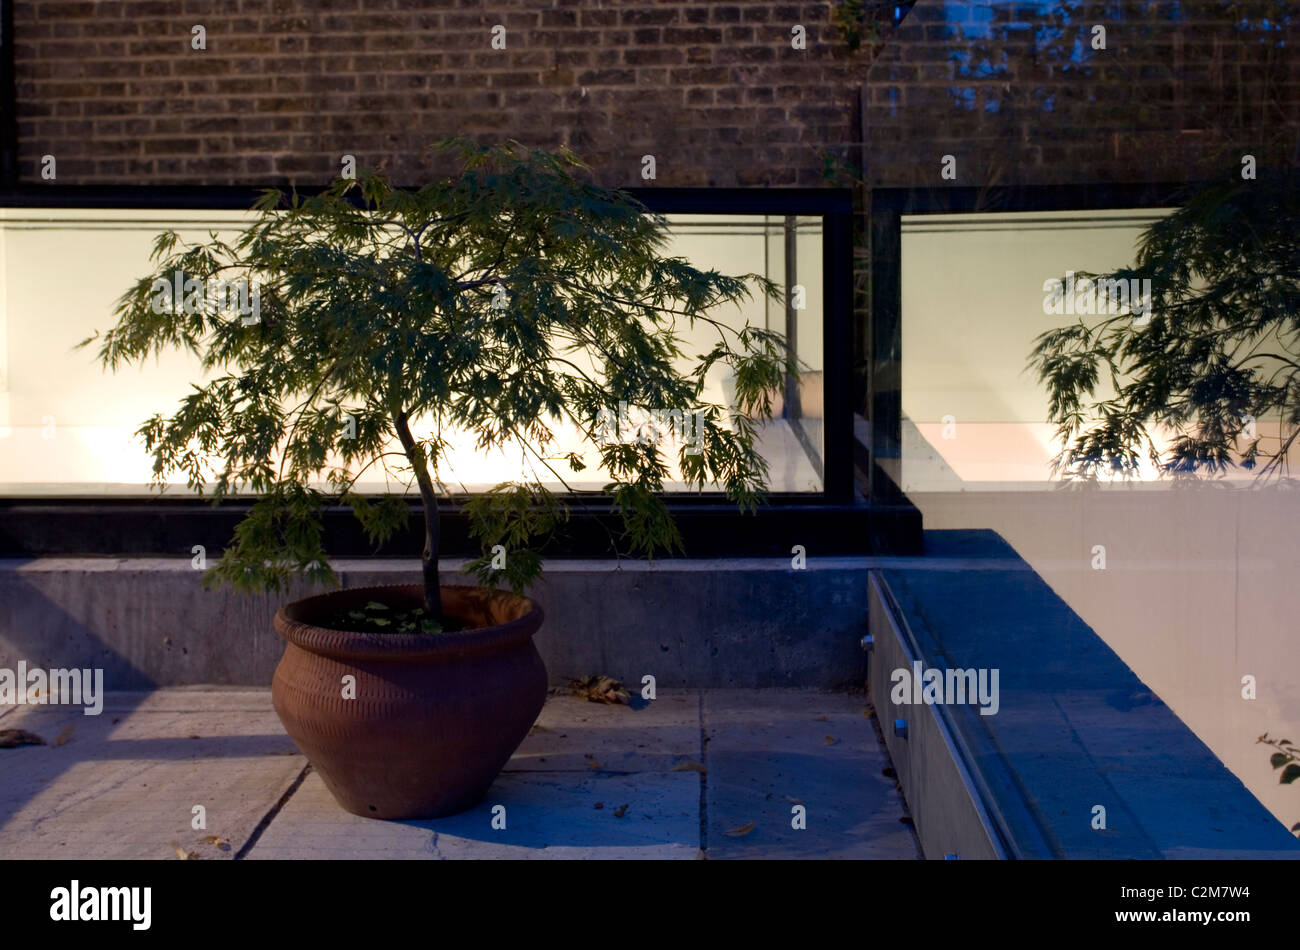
[(1279, 759), (379, 306), (1290, 774), (375, 605)]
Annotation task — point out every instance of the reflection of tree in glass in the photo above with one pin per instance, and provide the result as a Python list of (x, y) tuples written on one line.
[(1215, 362)]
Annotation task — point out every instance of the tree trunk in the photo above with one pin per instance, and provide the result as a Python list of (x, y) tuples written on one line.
[(432, 587)]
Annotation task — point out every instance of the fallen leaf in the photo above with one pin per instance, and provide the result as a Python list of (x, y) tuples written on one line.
[(593, 765), (819, 719), (65, 736), (831, 740), (218, 841), (740, 832), (598, 805), (196, 737), (620, 811), (689, 765), (186, 855), (600, 689), (13, 738)]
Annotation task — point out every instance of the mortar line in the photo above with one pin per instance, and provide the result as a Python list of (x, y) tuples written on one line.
[(270, 816)]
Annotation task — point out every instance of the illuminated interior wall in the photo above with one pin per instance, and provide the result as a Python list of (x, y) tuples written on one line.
[(973, 303), (1197, 589), (66, 427)]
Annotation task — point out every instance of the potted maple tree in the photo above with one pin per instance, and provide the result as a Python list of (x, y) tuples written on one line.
[(508, 301)]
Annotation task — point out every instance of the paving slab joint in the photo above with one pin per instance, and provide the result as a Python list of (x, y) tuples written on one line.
[(271, 815)]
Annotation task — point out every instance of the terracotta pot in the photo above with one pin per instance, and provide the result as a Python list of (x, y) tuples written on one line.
[(435, 717)]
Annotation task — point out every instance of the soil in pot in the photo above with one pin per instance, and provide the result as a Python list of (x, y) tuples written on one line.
[(375, 616)]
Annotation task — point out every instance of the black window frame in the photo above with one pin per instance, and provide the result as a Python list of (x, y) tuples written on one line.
[(883, 328), (835, 521)]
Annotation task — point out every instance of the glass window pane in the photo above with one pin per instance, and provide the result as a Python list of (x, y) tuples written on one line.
[(67, 428)]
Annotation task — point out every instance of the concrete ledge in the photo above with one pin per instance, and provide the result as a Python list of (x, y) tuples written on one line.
[(147, 622), (945, 803), (1075, 729)]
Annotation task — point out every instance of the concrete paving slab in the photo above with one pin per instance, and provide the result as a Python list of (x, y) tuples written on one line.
[(548, 815), (574, 734), (773, 753), (124, 784)]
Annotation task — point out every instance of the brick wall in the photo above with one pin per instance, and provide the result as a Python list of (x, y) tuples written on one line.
[(714, 90), (1017, 94)]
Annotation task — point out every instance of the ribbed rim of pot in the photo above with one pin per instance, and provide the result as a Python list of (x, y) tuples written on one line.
[(345, 645)]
